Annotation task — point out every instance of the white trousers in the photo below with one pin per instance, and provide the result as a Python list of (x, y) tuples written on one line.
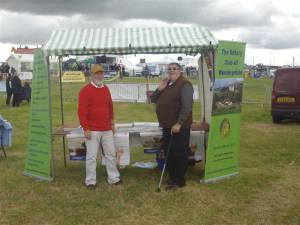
[(103, 140)]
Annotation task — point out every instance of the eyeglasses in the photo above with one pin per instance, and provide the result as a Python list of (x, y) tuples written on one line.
[(100, 71), (169, 69)]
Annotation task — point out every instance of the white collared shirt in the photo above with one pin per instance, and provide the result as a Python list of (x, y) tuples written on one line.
[(97, 86)]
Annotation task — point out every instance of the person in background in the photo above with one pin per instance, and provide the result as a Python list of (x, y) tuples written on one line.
[(16, 90), (174, 104), (26, 93), (146, 71), (8, 89), (13, 71), (123, 71), (95, 112)]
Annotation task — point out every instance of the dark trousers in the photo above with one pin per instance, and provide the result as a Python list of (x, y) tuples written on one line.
[(177, 161), (16, 100), (8, 97)]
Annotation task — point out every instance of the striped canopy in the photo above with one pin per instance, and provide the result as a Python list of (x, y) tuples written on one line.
[(152, 40)]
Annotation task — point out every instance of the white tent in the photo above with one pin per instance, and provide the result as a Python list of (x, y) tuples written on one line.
[(23, 64)]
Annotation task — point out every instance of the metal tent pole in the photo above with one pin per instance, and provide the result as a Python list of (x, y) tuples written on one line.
[(213, 65), (50, 112), (62, 108), (203, 89)]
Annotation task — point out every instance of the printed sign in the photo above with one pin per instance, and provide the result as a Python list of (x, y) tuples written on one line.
[(39, 148), (73, 77), (230, 61), (223, 147), (222, 155)]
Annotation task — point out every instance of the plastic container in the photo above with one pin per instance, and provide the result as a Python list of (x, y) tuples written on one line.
[(151, 139), (76, 145), (160, 163), (151, 150), (5, 133)]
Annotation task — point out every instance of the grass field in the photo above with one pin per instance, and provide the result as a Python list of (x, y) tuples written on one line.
[(267, 190)]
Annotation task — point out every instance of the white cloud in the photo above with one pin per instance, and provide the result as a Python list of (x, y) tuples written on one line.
[(272, 57), (269, 24)]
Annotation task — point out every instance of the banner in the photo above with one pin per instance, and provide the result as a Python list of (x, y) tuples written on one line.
[(222, 155), (230, 62), (73, 77), (39, 147)]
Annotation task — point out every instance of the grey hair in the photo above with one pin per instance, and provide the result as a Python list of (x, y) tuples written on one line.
[(176, 64)]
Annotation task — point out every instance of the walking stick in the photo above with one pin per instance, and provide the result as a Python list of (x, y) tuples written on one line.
[(165, 164)]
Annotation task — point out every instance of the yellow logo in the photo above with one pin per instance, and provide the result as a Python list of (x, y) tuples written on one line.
[(225, 128)]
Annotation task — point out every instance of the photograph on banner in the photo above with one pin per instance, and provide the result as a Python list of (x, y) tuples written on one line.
[(227, 96)]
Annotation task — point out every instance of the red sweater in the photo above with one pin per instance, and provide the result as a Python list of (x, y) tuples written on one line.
[(95, 108)]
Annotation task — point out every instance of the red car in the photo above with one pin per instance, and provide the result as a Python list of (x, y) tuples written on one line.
[(286, 94)]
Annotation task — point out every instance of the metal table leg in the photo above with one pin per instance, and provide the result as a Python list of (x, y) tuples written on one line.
[(64, 148)]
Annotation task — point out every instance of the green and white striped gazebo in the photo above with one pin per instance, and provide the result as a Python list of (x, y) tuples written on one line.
[(135, 40), (124, 41), (147, 40)]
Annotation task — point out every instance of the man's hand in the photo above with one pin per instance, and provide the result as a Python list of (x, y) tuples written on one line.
[(176, 128), (204, 126), (163, 84), (113, 129), (88, 134)]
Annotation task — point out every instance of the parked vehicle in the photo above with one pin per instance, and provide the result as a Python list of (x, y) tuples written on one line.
[(286, 94), (138, 71)]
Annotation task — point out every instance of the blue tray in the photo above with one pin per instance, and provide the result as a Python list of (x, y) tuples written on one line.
[(151, 150)]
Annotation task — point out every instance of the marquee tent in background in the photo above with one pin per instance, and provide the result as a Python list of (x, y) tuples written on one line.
[(157, 40)]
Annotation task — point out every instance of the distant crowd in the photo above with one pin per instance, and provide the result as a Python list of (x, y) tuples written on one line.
[(16, 91), (14, 88)]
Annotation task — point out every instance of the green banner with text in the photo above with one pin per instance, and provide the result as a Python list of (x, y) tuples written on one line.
[(222, 156), (230, 60), (39, 147)]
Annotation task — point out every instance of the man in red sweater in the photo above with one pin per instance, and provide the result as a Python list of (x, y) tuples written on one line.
[(95, 112)]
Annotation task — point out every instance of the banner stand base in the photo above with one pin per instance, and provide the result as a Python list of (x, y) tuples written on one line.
[(38, 177), (218, 178)]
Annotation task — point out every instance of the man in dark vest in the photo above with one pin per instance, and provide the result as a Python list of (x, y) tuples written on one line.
[(174, 104)]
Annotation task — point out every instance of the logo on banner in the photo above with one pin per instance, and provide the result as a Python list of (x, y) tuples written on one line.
[(224, 128)]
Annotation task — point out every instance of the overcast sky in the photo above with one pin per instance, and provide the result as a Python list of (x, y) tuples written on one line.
[(271, 28)]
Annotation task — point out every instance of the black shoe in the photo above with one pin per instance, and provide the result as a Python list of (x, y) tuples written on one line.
[(171, 187), (91, 186), (118, 183), (170, 181), (181, 184)]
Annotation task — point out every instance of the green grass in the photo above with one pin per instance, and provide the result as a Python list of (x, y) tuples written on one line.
[(267, 190)]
